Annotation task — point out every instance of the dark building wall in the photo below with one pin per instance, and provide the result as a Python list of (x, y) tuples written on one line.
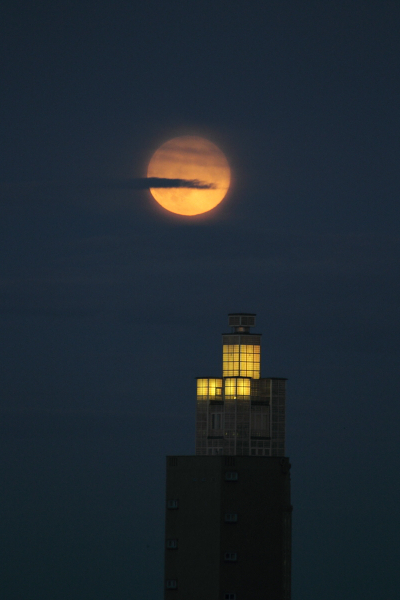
[(260, 539), (196, 485)]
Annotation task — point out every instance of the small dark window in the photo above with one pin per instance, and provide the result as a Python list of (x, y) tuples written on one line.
[(231, 517), (172, 584), (172, 544), (173, 461), (230, 556), (172, 504), (231, 476), (216, 421), (230, 597)]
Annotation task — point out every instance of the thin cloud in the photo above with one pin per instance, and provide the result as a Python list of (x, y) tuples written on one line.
[(145, 183)]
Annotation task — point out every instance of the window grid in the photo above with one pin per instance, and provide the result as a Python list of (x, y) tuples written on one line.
[(209, 388), (241, 360), (237, 387)]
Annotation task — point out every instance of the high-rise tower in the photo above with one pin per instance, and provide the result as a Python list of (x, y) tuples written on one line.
[(241, 413), (228, 511)]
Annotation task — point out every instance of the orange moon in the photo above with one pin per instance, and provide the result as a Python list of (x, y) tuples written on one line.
[(190, 158)]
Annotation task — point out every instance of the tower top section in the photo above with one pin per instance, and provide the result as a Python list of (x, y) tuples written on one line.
[(240, 412), (241, 322)]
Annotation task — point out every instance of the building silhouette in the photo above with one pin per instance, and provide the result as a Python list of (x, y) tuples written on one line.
[(228, 510)]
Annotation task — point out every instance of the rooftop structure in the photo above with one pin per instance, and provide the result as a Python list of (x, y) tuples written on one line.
[(241, 413)]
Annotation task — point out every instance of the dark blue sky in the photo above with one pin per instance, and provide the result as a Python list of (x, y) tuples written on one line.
[(111, 307)]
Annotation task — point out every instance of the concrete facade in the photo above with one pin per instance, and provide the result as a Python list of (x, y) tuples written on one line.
[(228, 528)]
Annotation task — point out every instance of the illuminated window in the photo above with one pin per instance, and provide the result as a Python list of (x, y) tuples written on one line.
[(202, 387), (236, 387), (230, 387), (230, 360), (250, 361), (243, 387), (241, 360), (209, 388), (213, 386)]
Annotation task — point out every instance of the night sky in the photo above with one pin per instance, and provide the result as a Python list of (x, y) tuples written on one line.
[(110, 306)]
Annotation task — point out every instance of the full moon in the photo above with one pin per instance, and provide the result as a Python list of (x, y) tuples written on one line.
[(190, 158)]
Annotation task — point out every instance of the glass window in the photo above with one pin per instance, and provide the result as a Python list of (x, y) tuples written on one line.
[(209, 388), (259, 421), (241, 360), (202, 387), (230, 556), (231, 518), (236, 387), (213, 386), (243, 387), (216, 421)]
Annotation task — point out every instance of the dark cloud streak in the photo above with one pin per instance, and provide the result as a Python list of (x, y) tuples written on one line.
[(138, 183), (145, 183)]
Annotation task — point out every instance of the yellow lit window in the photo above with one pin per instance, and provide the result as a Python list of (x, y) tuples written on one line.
[(250, 361), (202, 387), (209, 388), (236, 387), (243, 360), (230, 360), (230, 387), (214, 387), (243, 387)]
